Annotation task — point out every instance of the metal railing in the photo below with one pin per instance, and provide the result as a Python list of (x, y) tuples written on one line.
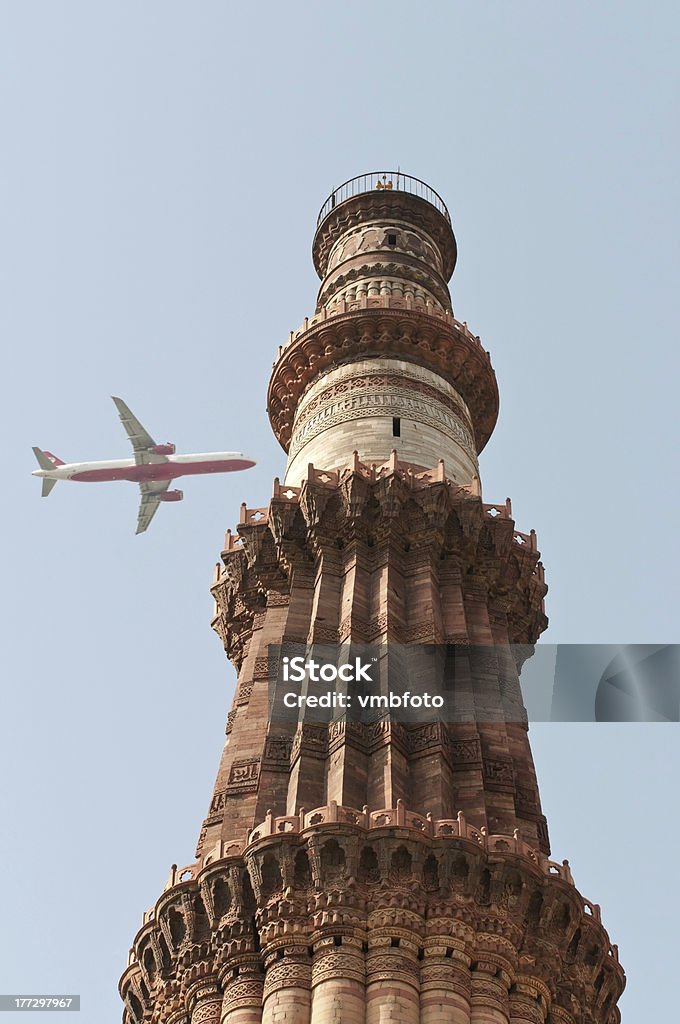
[(382, 181)]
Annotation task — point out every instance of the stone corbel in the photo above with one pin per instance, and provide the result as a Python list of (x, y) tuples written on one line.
[(354, 490)]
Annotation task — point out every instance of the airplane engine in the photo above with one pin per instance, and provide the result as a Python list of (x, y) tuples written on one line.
[(163, 449), (171, 496)]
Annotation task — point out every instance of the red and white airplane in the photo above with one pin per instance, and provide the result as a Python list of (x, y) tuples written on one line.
[(154, 467)]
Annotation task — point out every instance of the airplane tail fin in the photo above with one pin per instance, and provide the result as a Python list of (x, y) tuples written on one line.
[(46, 460), (54, 460)]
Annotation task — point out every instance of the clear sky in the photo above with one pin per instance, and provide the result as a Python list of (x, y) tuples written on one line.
[(163, 164)]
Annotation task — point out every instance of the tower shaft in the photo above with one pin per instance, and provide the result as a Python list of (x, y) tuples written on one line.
[(374, 870)]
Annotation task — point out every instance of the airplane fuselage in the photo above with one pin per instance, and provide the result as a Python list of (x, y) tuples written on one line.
[(127, 469), (152, 468)]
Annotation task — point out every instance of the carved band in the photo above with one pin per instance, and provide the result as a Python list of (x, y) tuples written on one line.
[(381, 377), (241, 994), (207, 1013), (338, 964), (383, 402), (287, 974)]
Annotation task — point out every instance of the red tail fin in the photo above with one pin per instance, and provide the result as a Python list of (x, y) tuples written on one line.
[(54, 460)]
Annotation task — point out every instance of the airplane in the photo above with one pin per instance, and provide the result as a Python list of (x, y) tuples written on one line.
[(153, 467)]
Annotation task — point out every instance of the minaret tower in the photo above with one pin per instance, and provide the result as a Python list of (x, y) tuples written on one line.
[(382, 871)]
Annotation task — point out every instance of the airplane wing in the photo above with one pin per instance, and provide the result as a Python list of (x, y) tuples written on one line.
[(141, 440), (150, 502)]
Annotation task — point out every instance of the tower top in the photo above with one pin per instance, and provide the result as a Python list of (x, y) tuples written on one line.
[(382, 181), (378, 196), (383, 365)]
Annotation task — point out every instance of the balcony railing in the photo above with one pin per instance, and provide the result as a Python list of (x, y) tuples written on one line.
[(382, 181)]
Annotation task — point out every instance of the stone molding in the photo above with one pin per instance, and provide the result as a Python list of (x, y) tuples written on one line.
[(370, 241), (388, 373), (308, 519), (357, 282), (383, 206), (498, 952), (429, 339), (384, 400)]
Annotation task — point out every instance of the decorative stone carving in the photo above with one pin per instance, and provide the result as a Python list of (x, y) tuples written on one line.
[(243, 775), (207, 1013), (277, 751)]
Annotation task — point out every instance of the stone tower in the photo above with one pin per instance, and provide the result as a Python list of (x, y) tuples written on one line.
[(372, 871)]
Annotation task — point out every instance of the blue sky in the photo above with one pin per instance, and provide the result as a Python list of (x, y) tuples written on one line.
[(163, 167)]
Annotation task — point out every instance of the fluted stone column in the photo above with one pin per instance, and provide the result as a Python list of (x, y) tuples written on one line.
[(242, 983), (287, 987), (393, 984), (445, 986), (558, 1015), (529, 1001), (204, 1001), (489, 1001), (338, 982), (178, 1017)]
